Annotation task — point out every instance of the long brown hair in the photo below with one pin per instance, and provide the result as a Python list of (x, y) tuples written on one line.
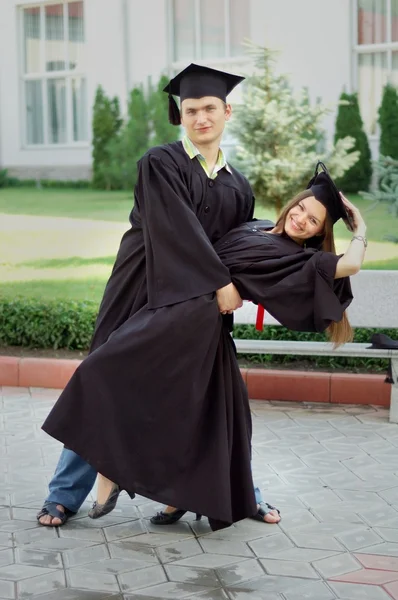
[(338, 332)]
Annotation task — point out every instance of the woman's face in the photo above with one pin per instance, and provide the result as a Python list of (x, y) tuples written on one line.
[(305, 220)]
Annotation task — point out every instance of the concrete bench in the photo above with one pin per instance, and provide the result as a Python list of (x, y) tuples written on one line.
[(375, 304)]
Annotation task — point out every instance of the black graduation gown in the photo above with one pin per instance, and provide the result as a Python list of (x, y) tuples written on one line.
[(159, 405), (295, 285)]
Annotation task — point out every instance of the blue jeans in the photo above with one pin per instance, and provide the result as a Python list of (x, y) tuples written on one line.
[(73, 480)]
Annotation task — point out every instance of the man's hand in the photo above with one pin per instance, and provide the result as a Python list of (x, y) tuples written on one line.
[(228, 299)]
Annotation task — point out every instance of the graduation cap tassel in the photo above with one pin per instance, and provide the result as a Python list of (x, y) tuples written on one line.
[(174, 112)]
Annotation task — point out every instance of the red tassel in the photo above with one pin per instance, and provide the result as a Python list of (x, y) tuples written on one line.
[(260, 318)]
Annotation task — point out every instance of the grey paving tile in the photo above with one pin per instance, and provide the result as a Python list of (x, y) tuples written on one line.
[(39, 558), (192, 575), (316, 542), (179, 551), (337, 565), (162, 539), (316, 590), (75, 594), (212, 595), (304, 554), (354, 540), (60, 544), (124, 530), (83, 556), (144, 578), (6, 557), (225, 547), (37, 535), (297, 518), (388, 535), (19, 572), (85, 580), (34, 586), (114, 565), (7, 589), (171, 590), (209, 561), (239, 594), (353, 591), (235, 574), (272, 583), (128, 549), (384, 549), (266, 547), (289, 568)]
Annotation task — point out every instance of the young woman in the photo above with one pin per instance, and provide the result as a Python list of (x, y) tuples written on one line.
[(180, 433)]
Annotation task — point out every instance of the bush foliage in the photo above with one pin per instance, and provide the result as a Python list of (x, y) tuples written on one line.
[(70, 325)]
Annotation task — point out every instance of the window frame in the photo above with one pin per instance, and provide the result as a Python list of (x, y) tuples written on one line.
[(226, 59), (44, 76), (387, 47)]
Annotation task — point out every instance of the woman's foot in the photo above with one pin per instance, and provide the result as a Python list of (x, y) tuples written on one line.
[(107, 496)]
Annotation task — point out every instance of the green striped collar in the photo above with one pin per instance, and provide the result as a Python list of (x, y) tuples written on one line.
[(193, 152)]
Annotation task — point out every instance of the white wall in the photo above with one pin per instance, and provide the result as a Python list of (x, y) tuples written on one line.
[(127, 42), (314, 42)]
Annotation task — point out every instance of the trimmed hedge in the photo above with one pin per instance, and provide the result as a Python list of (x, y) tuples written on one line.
[(69, 324)]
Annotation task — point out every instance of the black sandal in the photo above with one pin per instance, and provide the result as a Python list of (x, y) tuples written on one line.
[(163, 518), (50, 508), (261, 513)]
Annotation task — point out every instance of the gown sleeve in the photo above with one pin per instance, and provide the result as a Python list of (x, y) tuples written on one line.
[(299, 290), (181, 262)]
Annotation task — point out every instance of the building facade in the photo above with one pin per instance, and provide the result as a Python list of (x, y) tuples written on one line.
[(53, 55)]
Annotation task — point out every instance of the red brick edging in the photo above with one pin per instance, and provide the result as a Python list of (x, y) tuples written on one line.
[(263, 384)]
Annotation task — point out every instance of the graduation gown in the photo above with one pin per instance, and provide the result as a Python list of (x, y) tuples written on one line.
[(178, 428), (295, 285), (159, 405)]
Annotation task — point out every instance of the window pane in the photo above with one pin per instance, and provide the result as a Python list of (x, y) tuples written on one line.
[(56, 90), (184, 29), (239, 25), (34, 112), (79, 104), (55, 46), (372, 76), (372, 21), (31, 28), (212, 25), (76, 35), (394, 72), (394, 20)]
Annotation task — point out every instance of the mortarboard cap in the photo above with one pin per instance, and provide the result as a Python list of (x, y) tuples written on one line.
[(196, 82), (326, 192)]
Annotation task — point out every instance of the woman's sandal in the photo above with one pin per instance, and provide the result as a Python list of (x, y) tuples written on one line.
[(261, 513), (50, 509)]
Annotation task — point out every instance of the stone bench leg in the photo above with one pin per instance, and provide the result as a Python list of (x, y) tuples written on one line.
[(394, 392)]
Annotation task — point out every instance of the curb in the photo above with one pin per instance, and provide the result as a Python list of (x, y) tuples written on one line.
[(262, 384)]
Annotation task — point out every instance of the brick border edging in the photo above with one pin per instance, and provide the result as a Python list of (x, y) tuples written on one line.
[(262, 384)]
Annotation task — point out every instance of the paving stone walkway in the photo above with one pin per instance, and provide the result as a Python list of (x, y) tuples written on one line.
[(332, 470)]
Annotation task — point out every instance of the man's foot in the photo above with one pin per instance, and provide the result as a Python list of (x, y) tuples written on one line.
[(53, 515), (267, 513)]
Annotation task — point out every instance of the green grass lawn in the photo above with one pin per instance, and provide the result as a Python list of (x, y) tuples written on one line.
[(62, 243)]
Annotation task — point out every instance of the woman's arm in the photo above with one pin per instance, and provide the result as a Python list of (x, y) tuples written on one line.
[(351, 261)]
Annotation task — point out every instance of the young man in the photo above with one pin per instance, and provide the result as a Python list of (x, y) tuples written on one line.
[(187, 197)]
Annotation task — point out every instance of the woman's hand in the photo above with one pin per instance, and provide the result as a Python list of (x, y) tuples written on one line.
[(228, 299), (356, 220)]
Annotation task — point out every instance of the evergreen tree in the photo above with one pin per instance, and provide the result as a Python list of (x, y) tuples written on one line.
[(386, 169), (280, 134), (349, 122), (162, 131), (388, 120), (128, 146), (106, 124)]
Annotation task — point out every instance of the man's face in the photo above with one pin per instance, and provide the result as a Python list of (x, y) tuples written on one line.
[(204, 118)]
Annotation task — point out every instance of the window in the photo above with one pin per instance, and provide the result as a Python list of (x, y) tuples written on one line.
[(54, 84), (376, 52), (207, 29)]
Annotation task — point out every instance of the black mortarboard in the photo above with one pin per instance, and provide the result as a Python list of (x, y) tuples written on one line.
[(326, 192), (196, 82)]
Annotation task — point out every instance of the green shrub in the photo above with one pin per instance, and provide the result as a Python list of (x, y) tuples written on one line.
[(349, 123), (388, 120), (106, 124), (70, 325), (35, 324)]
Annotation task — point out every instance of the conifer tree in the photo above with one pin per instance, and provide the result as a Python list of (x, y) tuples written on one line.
[(280, 134), (388, 120), (349, 123)]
